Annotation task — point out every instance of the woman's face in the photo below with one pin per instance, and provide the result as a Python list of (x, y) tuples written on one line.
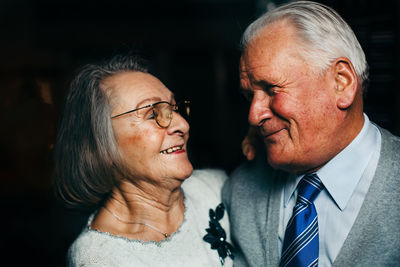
[(153, 154)]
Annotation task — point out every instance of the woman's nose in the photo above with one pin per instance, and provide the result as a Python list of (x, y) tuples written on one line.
[(178, 124)]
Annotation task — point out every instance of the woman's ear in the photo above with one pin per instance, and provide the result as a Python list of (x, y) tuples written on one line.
[(346, 82)]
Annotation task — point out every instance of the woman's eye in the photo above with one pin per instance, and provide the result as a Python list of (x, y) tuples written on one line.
[(150, 115)]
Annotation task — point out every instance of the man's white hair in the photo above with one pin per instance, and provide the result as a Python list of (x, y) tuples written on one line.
[(324, 34)]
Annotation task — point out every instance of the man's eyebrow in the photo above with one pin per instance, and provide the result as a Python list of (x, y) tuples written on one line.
[(246, 92), (263, 83), (244, 89)]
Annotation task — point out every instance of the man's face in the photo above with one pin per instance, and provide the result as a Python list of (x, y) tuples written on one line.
[(293, 107)]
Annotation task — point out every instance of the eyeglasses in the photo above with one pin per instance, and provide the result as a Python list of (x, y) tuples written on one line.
[(162, 112)]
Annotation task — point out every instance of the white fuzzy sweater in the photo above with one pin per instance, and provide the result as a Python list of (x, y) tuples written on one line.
[(184, 248)]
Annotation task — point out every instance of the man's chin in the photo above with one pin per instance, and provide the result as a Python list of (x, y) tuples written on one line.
[(281, 163), (289, 167)]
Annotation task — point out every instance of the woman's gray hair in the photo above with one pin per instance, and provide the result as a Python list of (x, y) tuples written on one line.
[(87, 160), (325, 35)]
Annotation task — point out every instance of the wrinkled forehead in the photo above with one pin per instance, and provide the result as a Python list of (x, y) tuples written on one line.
[(134, 88), (273, 47), (255, 62)]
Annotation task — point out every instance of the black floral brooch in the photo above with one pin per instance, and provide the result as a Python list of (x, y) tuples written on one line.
[(216, 235)]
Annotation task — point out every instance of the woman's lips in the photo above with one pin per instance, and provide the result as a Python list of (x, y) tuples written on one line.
[(174, 149)]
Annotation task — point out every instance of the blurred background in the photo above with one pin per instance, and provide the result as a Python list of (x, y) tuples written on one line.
[(194, 46)]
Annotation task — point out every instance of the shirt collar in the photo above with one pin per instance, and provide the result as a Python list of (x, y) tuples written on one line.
[(341, 174)]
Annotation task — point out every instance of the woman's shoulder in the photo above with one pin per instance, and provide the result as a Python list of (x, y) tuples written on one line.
[(84, 250), (205, 183), (209, 178), (90, 248), (94, 248)]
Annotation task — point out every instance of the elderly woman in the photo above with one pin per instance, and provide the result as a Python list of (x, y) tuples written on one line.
[(122, 150)]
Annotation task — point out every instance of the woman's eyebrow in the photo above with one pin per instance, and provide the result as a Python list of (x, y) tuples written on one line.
[(147, 100), (172, 98)]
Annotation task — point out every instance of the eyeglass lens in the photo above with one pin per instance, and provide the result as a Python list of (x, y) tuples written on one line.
[(163, 112)]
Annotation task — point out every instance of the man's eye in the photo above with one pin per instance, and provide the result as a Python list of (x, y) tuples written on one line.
[(248, 95), (272, 90)]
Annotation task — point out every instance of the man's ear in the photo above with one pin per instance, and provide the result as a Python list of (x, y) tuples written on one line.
[(346, 82)]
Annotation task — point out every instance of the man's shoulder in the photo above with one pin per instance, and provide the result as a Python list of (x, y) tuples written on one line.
[(255, 170), (387, 135), (387, 175), (250, 178), (390, 148)]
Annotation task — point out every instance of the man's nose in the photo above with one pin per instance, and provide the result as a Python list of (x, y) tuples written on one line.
[(259, 110)]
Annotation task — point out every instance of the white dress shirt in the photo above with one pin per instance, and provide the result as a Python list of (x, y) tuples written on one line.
[(346, 179)]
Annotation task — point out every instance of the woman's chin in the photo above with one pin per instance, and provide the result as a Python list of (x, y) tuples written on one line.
[(186, 171)]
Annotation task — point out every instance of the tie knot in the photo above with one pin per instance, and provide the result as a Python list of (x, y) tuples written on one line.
[(309, 188)]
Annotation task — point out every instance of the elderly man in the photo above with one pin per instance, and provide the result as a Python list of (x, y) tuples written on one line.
[(330, 193)]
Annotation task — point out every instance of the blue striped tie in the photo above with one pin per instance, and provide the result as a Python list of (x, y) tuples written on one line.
[(300, 246)]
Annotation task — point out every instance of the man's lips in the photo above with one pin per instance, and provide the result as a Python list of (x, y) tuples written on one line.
[(269, 133)]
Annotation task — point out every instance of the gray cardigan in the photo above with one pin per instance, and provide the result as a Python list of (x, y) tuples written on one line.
[(252, 197)]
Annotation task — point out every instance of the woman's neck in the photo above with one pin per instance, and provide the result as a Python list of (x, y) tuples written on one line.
[(132, 207), (146, 201)]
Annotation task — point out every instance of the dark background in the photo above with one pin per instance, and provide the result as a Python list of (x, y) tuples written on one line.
[(193, 44)]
